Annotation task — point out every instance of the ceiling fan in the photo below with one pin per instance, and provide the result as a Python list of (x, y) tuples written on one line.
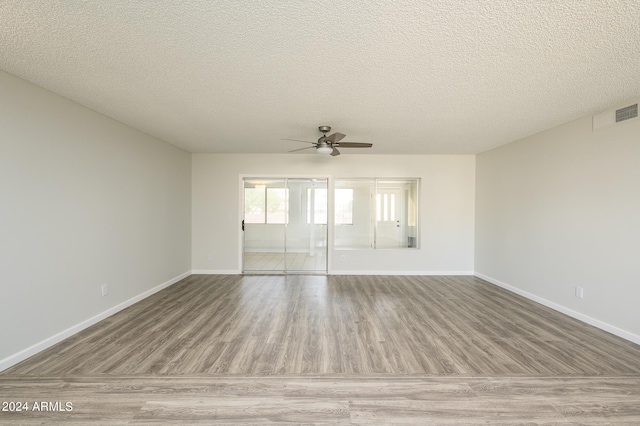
[(330, 144)]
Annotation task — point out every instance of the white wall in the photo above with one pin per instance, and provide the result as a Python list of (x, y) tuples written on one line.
[(446, 208), (561, 209), (85, 201)]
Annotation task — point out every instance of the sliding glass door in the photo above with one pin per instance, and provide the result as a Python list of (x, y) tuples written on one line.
[(285, 225), (265, 217)]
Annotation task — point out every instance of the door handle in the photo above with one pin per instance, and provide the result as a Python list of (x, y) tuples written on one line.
[(243, 224)]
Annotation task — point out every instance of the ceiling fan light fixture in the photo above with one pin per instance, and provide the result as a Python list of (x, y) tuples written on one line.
[(328, 145), (324, 150)]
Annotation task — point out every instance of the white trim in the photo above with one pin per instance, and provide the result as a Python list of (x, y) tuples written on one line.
[(56, 338), (239, 272), (216, 272), (400, 273), (563, 309)]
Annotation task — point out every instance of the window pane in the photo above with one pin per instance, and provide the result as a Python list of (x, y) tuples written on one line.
[(344, 206), (396, 225), (319, 199), (277, 205), (254, 205), (320, 208), (353, 213), (381, 213)]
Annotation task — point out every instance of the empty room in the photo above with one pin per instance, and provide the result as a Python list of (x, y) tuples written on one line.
[(319, 212)]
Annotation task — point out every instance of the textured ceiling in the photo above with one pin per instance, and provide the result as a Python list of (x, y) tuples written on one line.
[(423, 77)]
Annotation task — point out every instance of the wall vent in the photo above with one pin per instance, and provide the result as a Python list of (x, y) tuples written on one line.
[(615, 116), (627, 113)]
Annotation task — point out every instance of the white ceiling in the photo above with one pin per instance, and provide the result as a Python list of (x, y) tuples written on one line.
[(411, 77)]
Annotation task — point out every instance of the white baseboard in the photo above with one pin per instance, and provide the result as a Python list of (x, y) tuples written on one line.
[(216, 272), (563, 309), (238, 272), (334, 272), (50, 341)]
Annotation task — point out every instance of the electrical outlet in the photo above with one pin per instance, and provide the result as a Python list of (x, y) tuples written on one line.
[(210, 257), (579, 292), (343, 258), (105, 289)]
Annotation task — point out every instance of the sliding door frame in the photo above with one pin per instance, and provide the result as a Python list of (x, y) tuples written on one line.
[(330, 216)]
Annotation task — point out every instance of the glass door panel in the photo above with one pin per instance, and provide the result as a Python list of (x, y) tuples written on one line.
[(306, 236), (265, 217), (285, 225)]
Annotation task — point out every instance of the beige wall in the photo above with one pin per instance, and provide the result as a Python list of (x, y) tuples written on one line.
[(561, 209), (446, 208), (85, 201)]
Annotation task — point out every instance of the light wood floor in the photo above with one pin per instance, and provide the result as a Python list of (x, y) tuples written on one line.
[(333, 350)]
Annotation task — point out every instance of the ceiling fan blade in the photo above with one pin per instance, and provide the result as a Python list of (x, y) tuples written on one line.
[(302, 149), (335, 152), (296, 140), (336, 137), (354, 145)]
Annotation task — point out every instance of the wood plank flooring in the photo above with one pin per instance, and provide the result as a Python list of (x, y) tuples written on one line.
[(131, 400), (333, 350)]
